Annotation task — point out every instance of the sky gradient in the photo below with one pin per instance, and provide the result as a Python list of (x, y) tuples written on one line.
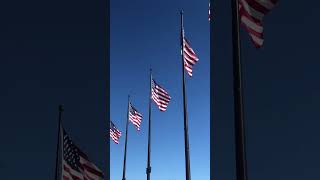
[(152, 40)]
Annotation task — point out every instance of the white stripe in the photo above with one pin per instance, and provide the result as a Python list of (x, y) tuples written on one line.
[(86, 162), (159, 101), (163, 95), (266, 3), (91, 175), (251, 24), (159, 104), (188, 47), (67, 175), (194, 57), (188, 68), (72, 171), (135, 116), (114, 136), (90, 164), (135, 121), (159, 88), (257, 40), (252, 11), (192, 61)]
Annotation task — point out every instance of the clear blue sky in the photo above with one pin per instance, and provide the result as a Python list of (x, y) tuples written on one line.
[(144, 36)]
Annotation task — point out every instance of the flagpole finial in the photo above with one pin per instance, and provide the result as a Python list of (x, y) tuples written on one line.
[(61, 107), (181, 11)]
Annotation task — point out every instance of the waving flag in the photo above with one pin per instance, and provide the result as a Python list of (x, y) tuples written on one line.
[(135, 117), (115, 133), (75, 164), (190, 57), (160, 96), (251, 14)]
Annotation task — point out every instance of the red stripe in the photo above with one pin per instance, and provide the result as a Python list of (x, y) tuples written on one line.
[(251, 31), (188, 58), (74, 177), (82, 154), (160, 97), (188, 48), (258, 7), (162, 94), (93, 171), (254, 33), (161, 89), (254, 4), (247, 14), (191, 54)]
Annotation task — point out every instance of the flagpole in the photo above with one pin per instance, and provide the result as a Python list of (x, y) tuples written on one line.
[(58, 141), (148, 170), (125, 146), (241, 164), (186, 139)]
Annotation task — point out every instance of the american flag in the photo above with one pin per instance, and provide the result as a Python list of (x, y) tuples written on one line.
[(135, 117), (115, 133), (251, 14), (190, 57), (75, 164), (159, 96)]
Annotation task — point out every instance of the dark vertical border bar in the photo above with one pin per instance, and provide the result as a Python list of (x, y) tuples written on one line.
[(241, 164), (107, 65)]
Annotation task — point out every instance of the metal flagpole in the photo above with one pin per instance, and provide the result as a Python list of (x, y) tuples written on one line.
[(58, 141), (125, 146), (148, 170), (186, 139), (241, 164)]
